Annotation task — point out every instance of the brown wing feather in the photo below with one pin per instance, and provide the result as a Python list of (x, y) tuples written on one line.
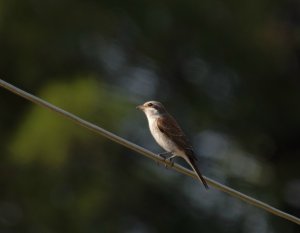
[(171, 129), (168, 125)]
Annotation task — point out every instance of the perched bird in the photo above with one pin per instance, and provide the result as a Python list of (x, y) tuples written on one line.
[(169, 135)]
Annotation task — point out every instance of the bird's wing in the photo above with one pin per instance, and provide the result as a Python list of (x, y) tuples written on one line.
[(171, 129), (168, 125)]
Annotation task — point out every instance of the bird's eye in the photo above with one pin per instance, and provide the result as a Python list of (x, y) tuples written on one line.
[(150, 105)]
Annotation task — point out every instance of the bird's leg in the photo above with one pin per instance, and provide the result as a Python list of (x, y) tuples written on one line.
[(170, 159), (164, 154)]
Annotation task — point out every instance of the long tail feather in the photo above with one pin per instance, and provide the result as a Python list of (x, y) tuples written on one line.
[(192, 163)]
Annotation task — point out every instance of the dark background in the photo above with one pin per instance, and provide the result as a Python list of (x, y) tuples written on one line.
[(229, 71)]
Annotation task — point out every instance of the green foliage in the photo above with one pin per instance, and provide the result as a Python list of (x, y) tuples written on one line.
[(45, 137)]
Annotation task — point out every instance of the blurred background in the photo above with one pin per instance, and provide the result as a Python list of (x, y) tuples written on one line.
[(229, 71)]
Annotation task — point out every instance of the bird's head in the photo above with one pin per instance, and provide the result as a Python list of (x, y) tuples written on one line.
[(152, 108)]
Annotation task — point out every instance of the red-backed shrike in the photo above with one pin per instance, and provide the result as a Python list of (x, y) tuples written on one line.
[(169, 135)]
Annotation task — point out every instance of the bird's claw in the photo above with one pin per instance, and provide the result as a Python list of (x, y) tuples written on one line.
[(168, 159), (163, 155), (169, 163)]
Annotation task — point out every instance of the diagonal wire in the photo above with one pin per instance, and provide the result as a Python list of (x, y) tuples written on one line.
[(147, 153)]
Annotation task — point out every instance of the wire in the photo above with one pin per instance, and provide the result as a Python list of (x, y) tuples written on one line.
[(147, 153)]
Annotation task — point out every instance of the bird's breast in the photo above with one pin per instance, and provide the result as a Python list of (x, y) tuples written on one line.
[(160, 137)]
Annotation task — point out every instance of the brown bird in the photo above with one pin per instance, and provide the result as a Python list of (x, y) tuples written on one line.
[(169, 135)]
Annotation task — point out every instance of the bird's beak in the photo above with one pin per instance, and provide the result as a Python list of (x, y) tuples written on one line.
[(140, 107)]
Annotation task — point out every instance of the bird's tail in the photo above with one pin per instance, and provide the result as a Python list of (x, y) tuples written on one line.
[(192, 163)]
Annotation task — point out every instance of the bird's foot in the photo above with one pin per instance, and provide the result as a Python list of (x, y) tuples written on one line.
[(169, 161), (164, 155)]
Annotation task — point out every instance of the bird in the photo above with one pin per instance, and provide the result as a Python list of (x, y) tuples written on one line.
[(168, 134)]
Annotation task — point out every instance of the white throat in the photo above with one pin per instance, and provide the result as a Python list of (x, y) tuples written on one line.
[(151, 113)]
